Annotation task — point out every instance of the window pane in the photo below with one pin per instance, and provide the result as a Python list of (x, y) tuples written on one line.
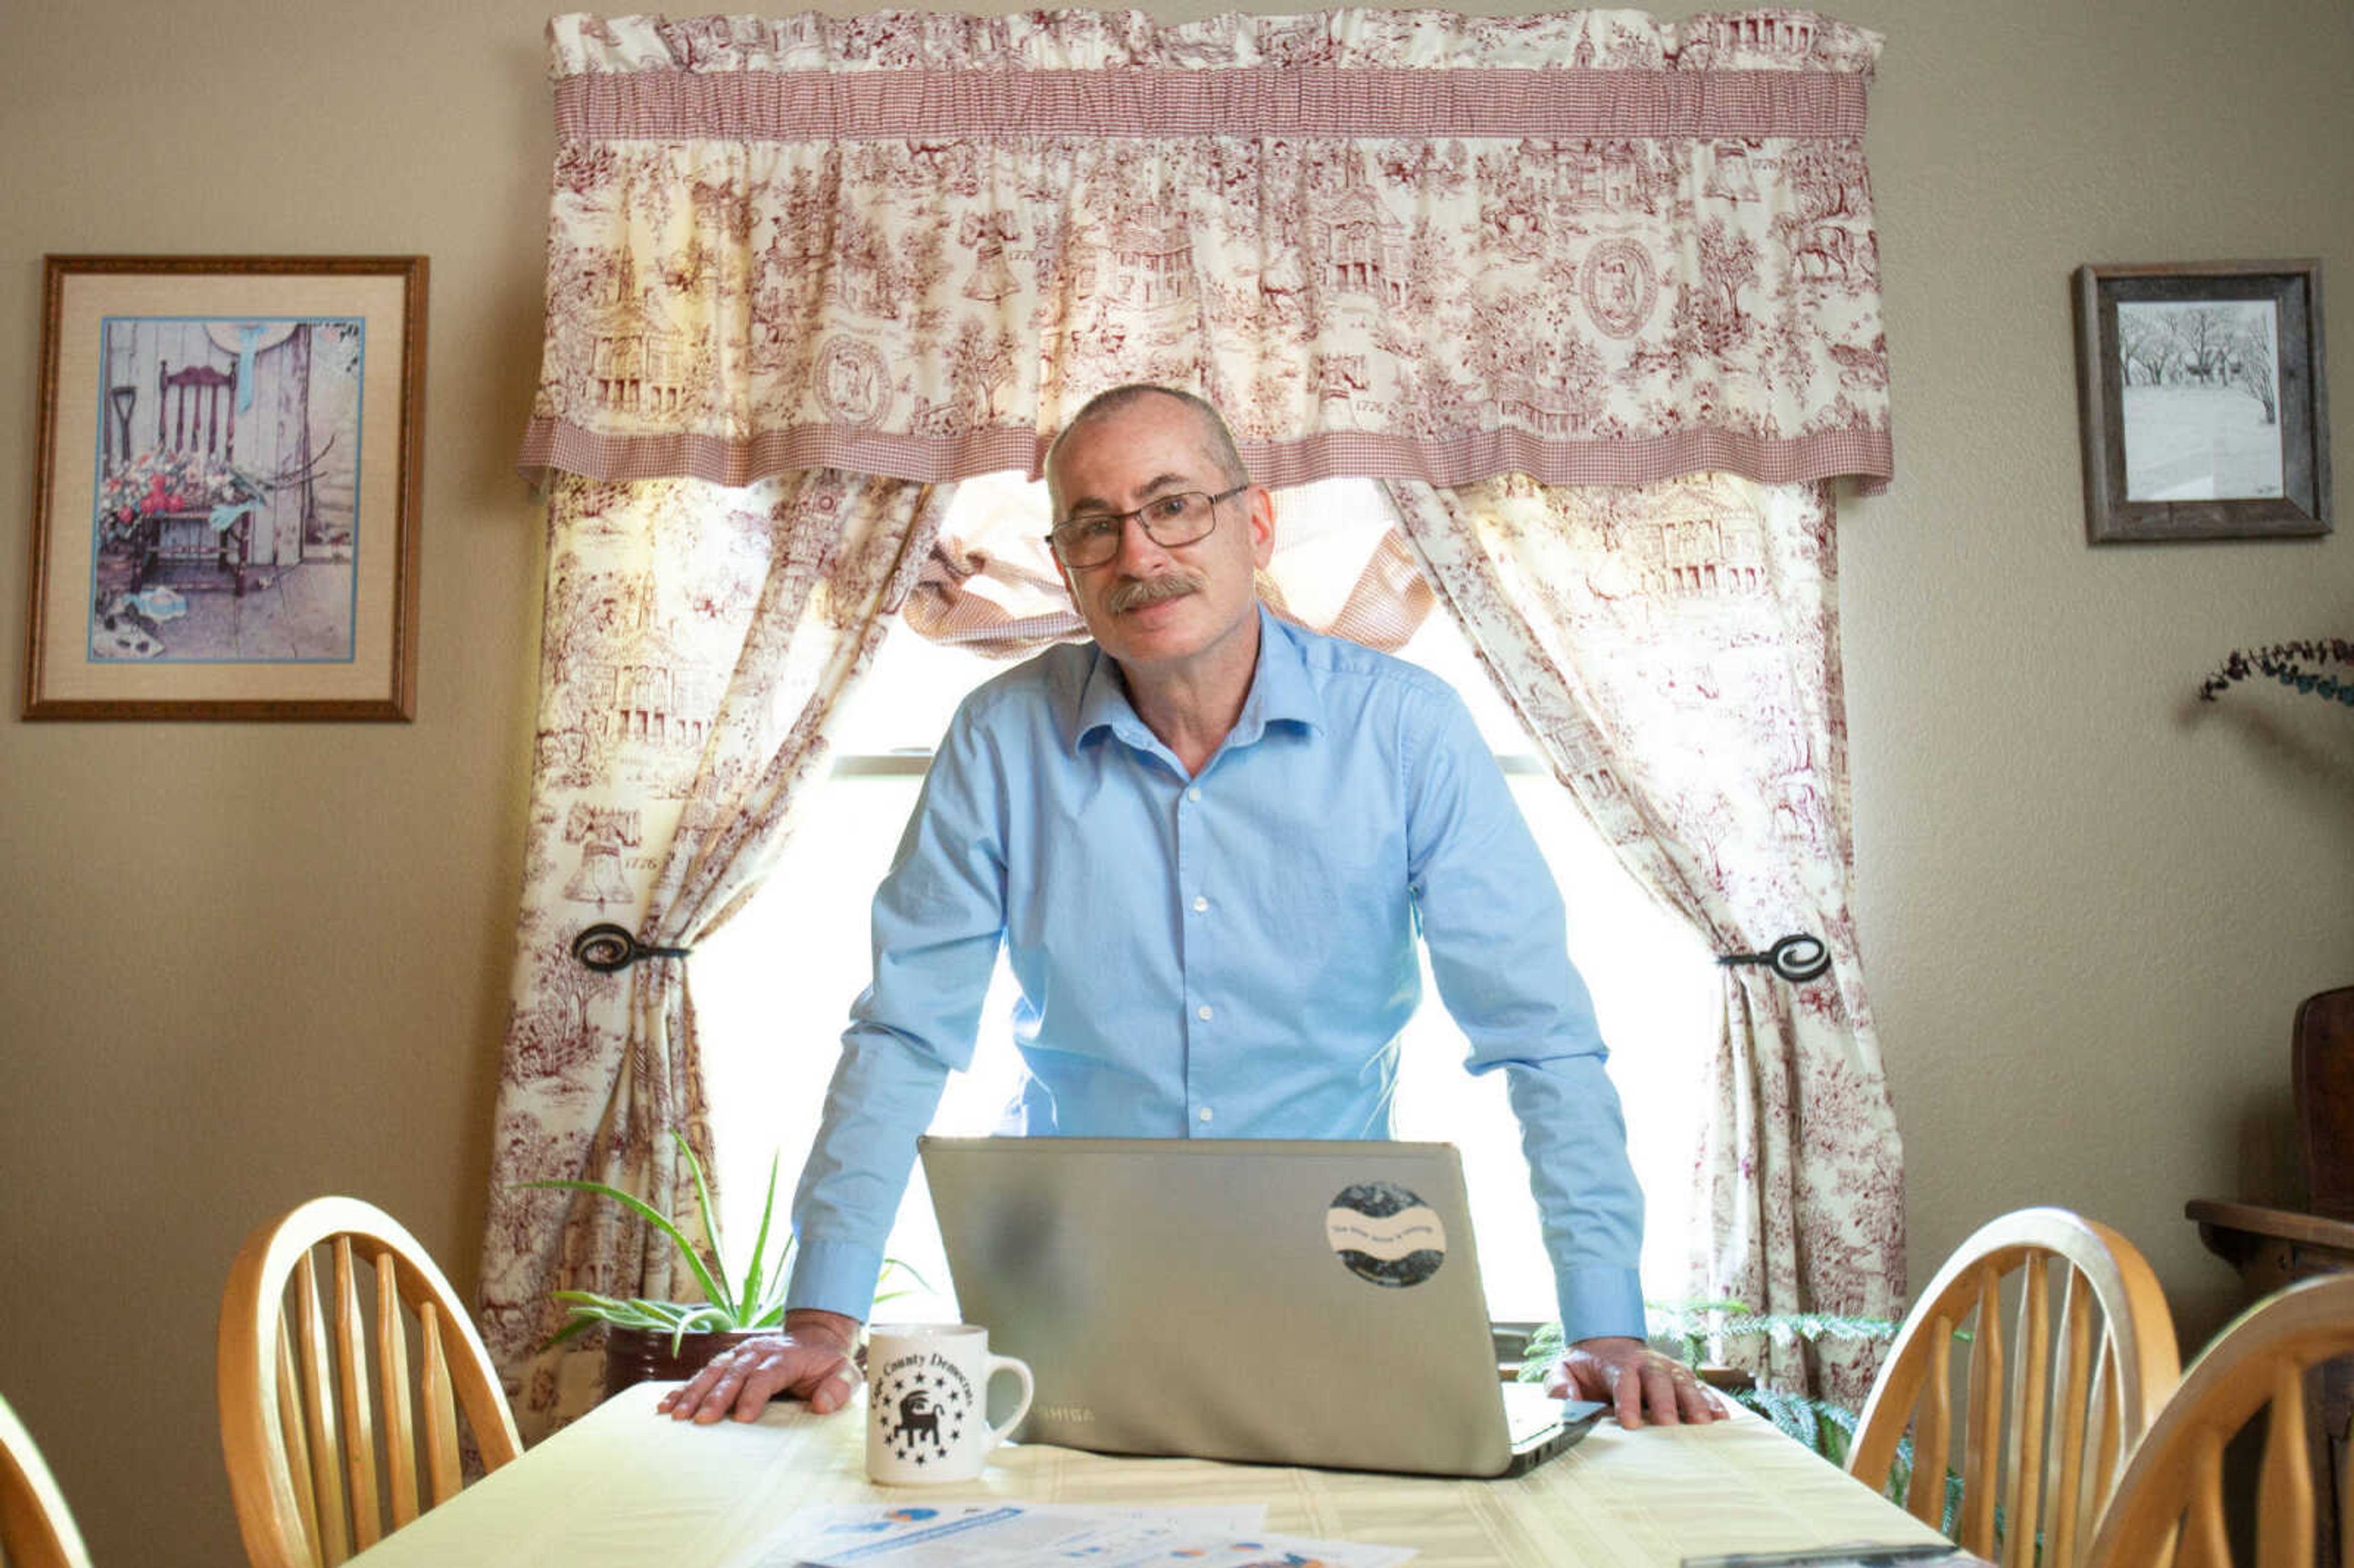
[(917, 683), (773, 991)]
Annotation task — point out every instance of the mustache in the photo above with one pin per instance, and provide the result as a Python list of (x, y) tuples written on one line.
[(1135, 593)]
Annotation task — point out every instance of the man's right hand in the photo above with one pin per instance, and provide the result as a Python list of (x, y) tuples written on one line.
[(808, 1361)]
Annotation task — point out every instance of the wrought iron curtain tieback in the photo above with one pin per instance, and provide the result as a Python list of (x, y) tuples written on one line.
[(1797, 959), (607, 948)]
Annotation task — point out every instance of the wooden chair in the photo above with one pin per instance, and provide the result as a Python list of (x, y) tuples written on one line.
[(2273, 1247), (196, 410), (2169, 1504), (300, 1427), (2051, 1412), (36, 1530)]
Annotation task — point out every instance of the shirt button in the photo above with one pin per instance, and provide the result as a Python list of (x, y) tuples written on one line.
[(1203, 1013), (1193, 792), (1205, 1113), (1200, 904)]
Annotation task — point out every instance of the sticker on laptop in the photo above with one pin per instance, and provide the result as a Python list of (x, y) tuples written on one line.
[(1385, 1233)]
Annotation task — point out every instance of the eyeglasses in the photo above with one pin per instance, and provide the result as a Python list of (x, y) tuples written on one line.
[(1091, 539)]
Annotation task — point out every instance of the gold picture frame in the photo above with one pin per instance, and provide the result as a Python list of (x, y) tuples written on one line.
[(226, 490)]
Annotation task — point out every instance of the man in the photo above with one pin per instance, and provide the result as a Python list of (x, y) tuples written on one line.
[(1207, 843)]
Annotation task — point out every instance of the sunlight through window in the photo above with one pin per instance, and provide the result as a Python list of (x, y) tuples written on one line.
[(773, 990)]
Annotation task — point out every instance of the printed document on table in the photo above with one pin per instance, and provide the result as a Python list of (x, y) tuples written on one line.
[(1022, 1535), (951, 1535)]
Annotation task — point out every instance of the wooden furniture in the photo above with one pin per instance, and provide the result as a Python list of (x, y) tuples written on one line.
[(196, 410), (2321, 1068), (623, 1487), (36, 1529), (2176, 1477), (2273, 1247), (2051, 1409), (313, 1372)]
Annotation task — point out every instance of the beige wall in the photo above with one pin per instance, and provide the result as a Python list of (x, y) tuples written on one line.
[(245, 963)]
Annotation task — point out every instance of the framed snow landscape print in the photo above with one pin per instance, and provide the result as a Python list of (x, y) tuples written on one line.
[(225, 507), (2205, 411)]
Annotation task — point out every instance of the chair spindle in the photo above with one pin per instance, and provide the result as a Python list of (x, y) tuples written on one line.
[(326, 1443), (1982, 1450), (392, 1370), (440, 1409), (2285, 1493), (352, 1390), (290, 1432), (1932, 1433), (2064, 1464), (2029, 1401), (2203, 1542)]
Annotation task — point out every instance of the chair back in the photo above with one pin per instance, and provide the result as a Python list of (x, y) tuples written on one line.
[(2169, 1504), (330, 1440), (196, 410), (36, 1530), (2052, 1402)]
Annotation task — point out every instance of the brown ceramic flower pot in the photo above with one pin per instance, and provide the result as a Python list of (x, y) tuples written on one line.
[(643, 1355)]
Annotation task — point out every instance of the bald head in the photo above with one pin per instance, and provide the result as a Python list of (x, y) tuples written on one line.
[(1216, 442)]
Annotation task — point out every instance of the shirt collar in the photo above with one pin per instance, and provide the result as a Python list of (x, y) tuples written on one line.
[(1280, 692)]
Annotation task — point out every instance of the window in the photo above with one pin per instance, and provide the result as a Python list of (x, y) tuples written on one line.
[(773, 989)]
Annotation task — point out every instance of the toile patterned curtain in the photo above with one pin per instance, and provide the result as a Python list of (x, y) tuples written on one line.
[(1673, 648), (696, 643), (1588, 247), (805, 273)]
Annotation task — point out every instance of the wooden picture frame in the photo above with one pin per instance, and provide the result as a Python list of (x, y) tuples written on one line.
[(2205, 410), (226, 488)]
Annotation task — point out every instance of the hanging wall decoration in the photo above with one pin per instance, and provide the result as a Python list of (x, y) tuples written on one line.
[(2205, 412), (224, 511)]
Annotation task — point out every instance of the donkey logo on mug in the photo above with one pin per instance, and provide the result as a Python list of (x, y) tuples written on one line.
[(921, 1404)]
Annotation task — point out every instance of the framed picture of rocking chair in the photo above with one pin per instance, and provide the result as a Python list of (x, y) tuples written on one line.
[(226, 487)]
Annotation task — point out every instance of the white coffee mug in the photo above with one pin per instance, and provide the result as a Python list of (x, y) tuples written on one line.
[(927, 1401)]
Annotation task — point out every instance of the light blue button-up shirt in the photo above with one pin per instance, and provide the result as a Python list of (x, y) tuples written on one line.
[(1228, 955)]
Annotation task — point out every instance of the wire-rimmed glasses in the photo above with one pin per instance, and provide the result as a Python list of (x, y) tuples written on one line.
[(1091, 539)]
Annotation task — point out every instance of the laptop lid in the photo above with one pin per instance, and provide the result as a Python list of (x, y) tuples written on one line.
[(1299, 1302)]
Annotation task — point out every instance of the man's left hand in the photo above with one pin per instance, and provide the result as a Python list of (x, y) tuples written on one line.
[(1641, 1383)]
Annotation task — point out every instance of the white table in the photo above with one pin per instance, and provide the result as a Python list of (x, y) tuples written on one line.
[(626, 1489)]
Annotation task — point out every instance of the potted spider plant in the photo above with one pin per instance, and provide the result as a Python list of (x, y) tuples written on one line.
[(648, 1341)]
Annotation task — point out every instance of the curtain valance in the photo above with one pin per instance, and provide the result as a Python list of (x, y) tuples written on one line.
[(1588, 247)]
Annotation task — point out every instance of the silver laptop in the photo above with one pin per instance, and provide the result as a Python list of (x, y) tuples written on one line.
[(1305, 1302)]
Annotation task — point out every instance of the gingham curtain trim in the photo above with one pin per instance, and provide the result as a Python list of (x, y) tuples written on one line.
[(549, 444), (672, 105), (1464, 459), (1100, 39)]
